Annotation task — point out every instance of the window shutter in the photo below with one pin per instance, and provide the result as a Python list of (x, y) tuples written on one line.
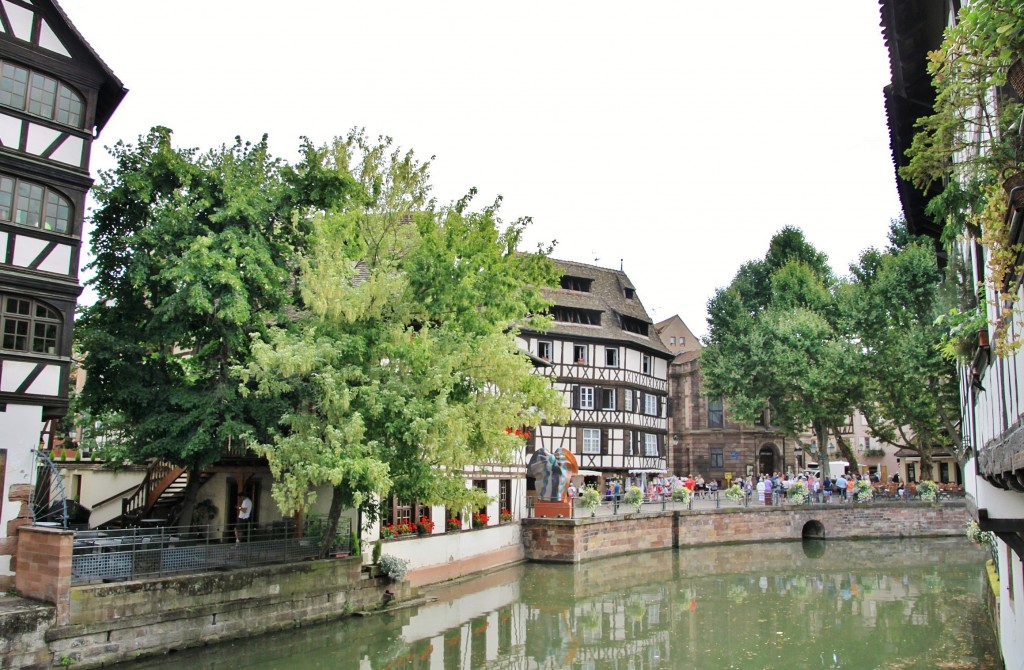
[(620, 399), (604, 441), (660, 403), (575, 396), (598, 399), (579, 441)]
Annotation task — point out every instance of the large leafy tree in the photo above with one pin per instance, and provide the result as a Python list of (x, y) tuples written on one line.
[(402, 369), (776, 341), (911, 397), (192, 256)]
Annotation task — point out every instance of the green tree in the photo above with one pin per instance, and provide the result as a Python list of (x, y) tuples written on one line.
[(191, 266), (776, 342), (912, 394), (402, 370)]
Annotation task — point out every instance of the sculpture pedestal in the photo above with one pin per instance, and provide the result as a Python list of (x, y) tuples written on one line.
[(550, 509)]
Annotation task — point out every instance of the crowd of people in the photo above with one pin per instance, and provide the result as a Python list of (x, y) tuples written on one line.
[(840, 487)]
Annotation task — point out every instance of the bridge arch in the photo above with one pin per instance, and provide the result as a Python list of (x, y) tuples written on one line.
[(813, 530)]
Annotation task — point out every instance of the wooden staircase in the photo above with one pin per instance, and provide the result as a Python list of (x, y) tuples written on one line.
[(161, 490)]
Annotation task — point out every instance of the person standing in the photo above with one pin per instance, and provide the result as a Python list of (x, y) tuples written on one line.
[(244, 514), (840, 485)]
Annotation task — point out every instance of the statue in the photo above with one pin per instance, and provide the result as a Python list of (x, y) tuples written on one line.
[(551, 472)]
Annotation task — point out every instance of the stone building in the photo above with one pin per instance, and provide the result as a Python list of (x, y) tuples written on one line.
[(703, 438), (607, 358), (56, 95)]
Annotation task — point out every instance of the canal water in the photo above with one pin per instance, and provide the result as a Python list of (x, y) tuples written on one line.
[(893, 604)]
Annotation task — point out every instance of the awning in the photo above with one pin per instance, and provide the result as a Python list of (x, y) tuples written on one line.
[(652, 471), (589, 473)]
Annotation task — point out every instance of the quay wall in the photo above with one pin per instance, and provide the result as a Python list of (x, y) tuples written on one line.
[(585, 538)]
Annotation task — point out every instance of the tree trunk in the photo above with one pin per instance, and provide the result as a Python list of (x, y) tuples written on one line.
[(188, 502), (821, 441), (333, 515), (844, 448)]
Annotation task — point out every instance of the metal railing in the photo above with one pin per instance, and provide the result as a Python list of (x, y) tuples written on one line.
[(135, 553)]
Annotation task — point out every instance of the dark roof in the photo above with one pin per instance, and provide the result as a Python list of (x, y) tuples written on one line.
[(911, 28), (608, 295)]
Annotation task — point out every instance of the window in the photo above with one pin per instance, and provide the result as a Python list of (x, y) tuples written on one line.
[(717, 458), (682, 341), (672, 340), (628, 400), (28, 325), (544, 350), (650, 404), (571, 283), (591, 440), (645, 364), (608, 399), (586, 397), (589, 317), (650, 444), (629, 292), (38, 94), (631, 325), (630, 443), (29, 204), (579, 354), (504, 495), (715, 413), (611, 357)]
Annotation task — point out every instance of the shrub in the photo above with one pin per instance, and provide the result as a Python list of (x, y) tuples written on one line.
[(863, 492), (682, 494), (590, 498), (355, 548), (393, 567), (797, 493), (634, 498), (927, 490), (734, 493), (378, 546)]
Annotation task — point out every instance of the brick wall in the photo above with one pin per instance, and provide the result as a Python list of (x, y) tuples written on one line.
[(44, 566), (582, 539)]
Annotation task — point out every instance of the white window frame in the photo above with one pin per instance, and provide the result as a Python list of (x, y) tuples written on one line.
[(645, 364), (611, 357), (650, 444), (628, 400), (650, 404), (592, 441), (586, 397), (612, 399), (541, 345), (579, 349)]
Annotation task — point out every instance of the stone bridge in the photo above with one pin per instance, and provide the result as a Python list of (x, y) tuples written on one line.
[(586, 538)]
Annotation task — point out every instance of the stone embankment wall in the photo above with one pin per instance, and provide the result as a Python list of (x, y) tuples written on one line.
[(582, 539), (116, 622)]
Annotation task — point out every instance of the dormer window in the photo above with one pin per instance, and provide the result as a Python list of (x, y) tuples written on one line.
[(28, 91), (581, 284), (631, 325), (630, 292), (590, 317)]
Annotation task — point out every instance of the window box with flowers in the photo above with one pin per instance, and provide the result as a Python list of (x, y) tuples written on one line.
[(505, 516), (425, 526), (387, 531), (453, 524), (479, 520)]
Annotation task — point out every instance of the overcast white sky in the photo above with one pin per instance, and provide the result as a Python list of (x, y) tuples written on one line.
[(677, 136)]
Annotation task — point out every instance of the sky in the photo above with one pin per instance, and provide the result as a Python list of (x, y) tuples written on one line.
[(669, 138)]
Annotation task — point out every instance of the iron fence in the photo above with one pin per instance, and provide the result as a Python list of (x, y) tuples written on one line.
[(134, 553)]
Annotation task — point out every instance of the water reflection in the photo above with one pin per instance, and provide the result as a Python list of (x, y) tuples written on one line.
[(893, 604)]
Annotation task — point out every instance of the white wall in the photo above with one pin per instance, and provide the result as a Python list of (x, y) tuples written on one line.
[(20, 426)]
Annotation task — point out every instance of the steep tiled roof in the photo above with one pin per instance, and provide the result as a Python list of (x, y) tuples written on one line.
[(608, 295)]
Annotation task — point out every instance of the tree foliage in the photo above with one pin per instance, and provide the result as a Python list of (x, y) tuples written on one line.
[(776, 343), (402, 369)]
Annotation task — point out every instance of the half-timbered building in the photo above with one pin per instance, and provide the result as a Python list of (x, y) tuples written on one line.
[(56, 94), (612, 367)]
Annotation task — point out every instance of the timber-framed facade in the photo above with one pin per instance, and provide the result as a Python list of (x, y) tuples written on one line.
[(604, 354), (56, 94)]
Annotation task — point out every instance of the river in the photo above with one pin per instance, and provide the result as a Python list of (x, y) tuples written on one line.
[(893, 604)]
